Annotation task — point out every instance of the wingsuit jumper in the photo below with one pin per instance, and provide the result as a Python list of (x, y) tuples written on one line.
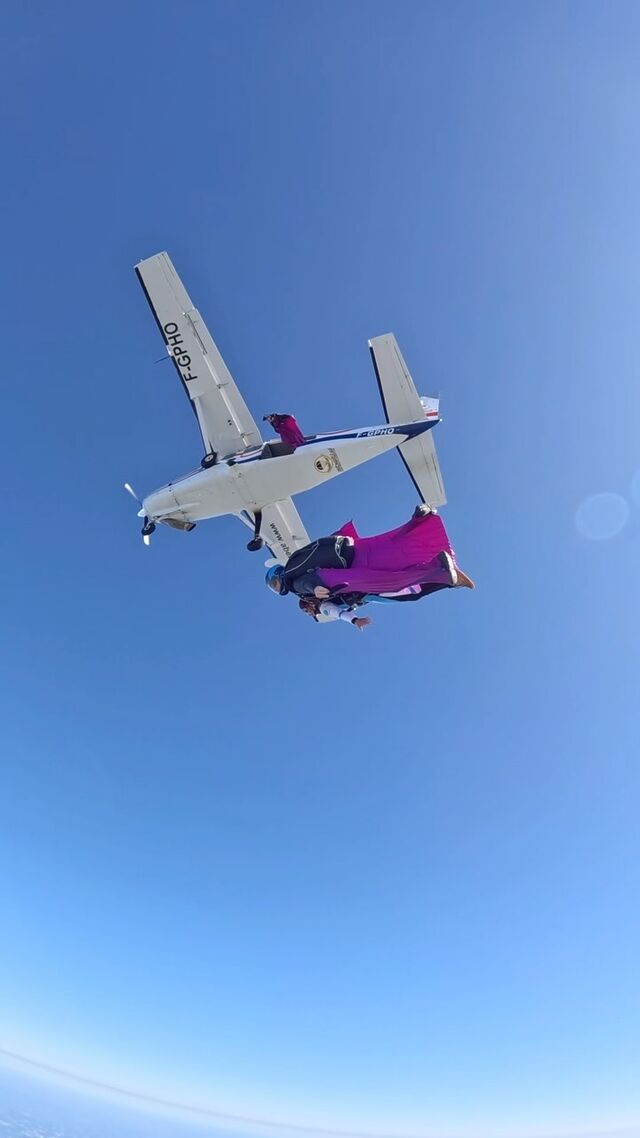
[(418, 553)]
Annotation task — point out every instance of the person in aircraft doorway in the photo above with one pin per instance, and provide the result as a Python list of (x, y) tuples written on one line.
[(290, 434)]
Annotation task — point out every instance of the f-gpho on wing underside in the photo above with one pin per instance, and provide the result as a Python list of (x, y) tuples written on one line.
[(241, 475)]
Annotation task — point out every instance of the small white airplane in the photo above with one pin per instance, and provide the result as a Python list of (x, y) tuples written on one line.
[(241, 475)]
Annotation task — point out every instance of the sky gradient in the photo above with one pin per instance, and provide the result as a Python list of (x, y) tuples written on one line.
[(383, 881)]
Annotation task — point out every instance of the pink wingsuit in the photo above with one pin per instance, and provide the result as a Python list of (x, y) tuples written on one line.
[(391, 561)]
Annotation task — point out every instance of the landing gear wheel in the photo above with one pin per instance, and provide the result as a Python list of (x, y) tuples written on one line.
[(256, 542), (209, 460), (148, 528), (188, 528)]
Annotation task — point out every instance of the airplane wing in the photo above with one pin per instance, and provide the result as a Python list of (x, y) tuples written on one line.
[(402, 404), (225, 421), (282, 528)]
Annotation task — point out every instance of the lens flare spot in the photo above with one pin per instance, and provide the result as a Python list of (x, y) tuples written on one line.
[(602, 516)]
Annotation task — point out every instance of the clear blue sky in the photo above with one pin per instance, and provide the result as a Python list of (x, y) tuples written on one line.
[(385, 880)]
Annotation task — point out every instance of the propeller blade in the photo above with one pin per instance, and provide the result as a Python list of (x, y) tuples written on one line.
[(131, 491), (146, 539)]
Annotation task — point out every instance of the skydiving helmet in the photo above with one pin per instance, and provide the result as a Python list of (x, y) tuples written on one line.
[(275, 579)]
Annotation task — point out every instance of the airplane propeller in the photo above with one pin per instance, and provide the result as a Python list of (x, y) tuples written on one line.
[(148, 527)]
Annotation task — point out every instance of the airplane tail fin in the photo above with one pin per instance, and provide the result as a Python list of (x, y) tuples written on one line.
[(420, 458), (400, 400), (402, 404)]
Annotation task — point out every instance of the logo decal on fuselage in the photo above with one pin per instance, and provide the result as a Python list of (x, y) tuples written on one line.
[(175, 344), (323, 463)]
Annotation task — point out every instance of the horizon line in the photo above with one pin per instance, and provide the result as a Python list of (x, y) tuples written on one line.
[(301, 1128)]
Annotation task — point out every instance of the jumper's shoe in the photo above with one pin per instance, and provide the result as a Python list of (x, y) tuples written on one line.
[(464, 582), (447, 562), (423, 510)]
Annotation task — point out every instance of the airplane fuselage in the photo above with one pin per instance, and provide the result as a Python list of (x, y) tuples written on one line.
[(248, 482)]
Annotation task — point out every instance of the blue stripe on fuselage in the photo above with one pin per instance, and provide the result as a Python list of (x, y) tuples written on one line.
[(409, 430)]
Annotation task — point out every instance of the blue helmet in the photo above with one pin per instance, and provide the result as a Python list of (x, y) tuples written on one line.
[(275, 579)]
